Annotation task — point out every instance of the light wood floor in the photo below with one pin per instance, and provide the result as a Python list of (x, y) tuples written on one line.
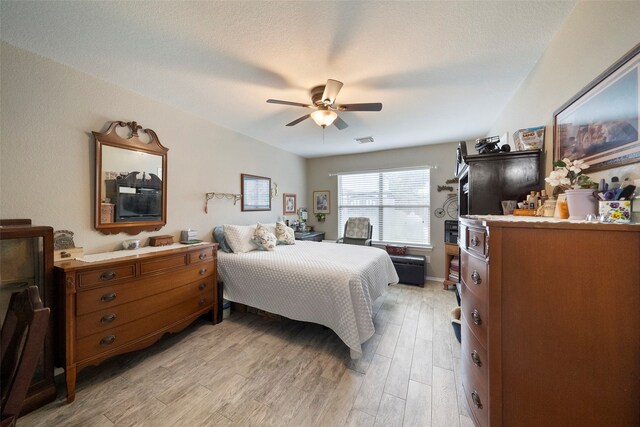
[(250, 370)]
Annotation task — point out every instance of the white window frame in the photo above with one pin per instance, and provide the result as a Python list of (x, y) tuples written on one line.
[(377, 233)]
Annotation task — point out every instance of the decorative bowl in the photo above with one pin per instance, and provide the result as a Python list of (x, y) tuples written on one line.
[(131, 244)]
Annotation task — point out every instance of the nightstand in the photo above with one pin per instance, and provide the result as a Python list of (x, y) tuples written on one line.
[(313, 236)]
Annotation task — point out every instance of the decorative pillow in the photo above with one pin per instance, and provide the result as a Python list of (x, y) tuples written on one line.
[(238, 237), (285, 235), (218, 236), (264, 238)]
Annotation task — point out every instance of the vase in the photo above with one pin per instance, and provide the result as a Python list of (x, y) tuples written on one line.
[(581, 203)]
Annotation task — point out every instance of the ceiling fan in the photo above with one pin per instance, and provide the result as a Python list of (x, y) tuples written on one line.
[(323, 100)]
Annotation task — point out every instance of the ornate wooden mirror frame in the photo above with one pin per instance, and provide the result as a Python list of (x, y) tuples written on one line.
[(129, 198)]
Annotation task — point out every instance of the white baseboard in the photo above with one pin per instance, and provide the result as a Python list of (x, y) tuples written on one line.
[(435, 279)]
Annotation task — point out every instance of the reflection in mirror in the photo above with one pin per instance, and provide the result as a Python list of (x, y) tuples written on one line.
[(131, 180), (132, 186)]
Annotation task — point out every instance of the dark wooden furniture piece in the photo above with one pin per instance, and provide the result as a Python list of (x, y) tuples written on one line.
[(313, 236), (135, 201), (410, 268), (550, 323), (120, 305), (487, 179), (26, 259), (21, 342), (451, 251)]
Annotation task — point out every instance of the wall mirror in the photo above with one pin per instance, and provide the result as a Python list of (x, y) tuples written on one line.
[(131, 180), (256, 193)]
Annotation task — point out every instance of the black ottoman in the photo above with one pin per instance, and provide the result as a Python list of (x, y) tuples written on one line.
[(410, 268)]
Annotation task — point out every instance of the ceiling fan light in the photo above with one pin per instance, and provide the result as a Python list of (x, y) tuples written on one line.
[(324, 118)]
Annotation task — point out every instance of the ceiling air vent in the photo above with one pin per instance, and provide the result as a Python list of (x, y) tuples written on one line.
[(364, 140)]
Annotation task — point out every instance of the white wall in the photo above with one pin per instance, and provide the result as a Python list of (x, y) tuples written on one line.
[(441, 155), (593, 37), (47, 153)]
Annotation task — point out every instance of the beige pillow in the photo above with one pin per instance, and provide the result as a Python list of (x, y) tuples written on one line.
[(285, 235), (263, 238), (239, 237)]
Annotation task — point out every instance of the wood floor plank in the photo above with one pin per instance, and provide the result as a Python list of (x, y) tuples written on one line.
[(444, 399), (425, 322), (387, 345), (391, 412), (399, 371), (417, 412), (338, 407), (442, 356), (422, 362), (368, 398), (360, 419)]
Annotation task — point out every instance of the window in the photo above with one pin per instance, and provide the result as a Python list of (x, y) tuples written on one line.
[(396, 202)]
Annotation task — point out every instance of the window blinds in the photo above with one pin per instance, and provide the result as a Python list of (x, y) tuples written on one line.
[(395, 201)]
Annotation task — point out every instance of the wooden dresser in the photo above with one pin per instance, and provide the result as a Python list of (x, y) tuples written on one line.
[(550, 322), (116, 306)]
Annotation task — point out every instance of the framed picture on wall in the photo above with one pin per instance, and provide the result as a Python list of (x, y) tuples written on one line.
[(289, 203), (256, 193), (321, 202), (600, 123)]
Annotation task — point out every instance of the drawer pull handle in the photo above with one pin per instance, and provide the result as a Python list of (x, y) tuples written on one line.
[(203, 271), (202, 255), (108, 297), (476, 400), (108, 340), (202, 302), (201, 286), (108, 318), (108, 275), (475, 277), (476, 359), (476, 317), (475, 241)]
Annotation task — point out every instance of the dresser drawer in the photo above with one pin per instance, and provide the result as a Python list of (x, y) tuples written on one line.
[(475, 391), (475, 241), (474, 354), (109, 318), (106, 275), (474, 314), (475, 275), (108, 341), (205, 254), (110, 296), (163, 264)]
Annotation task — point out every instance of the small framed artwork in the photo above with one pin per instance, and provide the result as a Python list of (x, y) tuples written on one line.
[(321, 202), (289, 203), (256, 193), (600, 124)]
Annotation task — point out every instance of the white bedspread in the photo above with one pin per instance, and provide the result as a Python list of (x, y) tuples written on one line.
[(330, 284)]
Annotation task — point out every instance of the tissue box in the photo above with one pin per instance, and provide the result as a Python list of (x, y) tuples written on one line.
[(615, 211)]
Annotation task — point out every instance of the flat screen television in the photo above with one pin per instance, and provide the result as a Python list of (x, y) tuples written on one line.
[(144, 205)]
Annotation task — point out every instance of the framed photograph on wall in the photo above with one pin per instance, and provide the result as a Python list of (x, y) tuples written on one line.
[(600, 123), (321, 202), (289, 203), (256, 193)]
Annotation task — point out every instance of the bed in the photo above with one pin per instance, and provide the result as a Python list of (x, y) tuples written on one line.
[(325, 283)]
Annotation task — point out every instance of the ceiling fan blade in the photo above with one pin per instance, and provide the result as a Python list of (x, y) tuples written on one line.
[(372, 106), (331, 90), (296, 121), (340, 124), (295, 104)]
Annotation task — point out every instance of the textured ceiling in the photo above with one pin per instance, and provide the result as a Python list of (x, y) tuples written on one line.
[(443, 70)]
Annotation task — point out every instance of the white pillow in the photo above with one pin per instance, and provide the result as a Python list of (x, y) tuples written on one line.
[(284, 234), (238, 237), (264, 239)]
